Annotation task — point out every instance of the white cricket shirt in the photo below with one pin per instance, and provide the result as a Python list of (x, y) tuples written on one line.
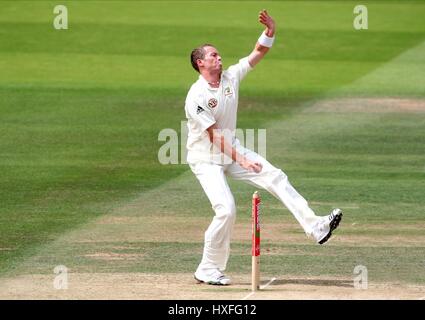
[(206, 105)]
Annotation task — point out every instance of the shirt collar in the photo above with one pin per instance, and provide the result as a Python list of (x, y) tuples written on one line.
[(205, 82)]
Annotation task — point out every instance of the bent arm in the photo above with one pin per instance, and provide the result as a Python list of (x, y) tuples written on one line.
[(260, 51), (219, 140)]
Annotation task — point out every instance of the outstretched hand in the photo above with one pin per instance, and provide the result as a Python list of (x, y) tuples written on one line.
[(268, 21)]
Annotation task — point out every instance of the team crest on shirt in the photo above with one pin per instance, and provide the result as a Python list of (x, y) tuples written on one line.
[(228, 91), (212, 103)]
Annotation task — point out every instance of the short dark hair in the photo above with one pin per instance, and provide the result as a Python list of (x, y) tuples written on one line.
[(198, 53)]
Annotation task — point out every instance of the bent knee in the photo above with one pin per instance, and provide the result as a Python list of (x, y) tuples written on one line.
[(226, 211)]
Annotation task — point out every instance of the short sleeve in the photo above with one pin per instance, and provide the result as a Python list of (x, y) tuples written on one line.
[(201, 115), (240, 69)]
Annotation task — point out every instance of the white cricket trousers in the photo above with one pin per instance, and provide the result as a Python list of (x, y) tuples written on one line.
[(212, 178)]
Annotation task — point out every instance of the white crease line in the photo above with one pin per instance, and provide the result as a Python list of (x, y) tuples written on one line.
[(423, 298), (267, 284), (248, 296), (261, 288)]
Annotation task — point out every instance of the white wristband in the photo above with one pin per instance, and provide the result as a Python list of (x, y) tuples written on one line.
[(265, 41)]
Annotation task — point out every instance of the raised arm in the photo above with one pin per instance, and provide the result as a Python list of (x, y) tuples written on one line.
[(265, 41)]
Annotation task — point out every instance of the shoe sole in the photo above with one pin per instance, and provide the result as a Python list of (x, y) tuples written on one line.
[(211, 282), (332, 226)]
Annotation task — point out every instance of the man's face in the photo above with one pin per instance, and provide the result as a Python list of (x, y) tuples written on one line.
[(212, 60)]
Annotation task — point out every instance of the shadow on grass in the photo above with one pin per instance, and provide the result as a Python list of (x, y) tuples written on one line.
[(315, 282), (308, 282)]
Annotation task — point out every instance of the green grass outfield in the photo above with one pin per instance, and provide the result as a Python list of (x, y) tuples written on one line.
[(81, 110)]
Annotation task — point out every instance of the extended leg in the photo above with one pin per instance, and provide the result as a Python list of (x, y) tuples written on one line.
[(276, 182)]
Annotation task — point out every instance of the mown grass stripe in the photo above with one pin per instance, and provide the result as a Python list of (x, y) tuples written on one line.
[(132, 40)]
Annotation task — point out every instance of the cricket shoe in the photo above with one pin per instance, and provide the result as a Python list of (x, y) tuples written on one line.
[(212, 276), (323, 230)]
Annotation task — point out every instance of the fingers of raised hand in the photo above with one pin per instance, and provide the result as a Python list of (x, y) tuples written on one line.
[(264, 13), (264, 17)]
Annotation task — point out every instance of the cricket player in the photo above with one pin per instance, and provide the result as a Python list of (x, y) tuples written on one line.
[(213, 154)]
